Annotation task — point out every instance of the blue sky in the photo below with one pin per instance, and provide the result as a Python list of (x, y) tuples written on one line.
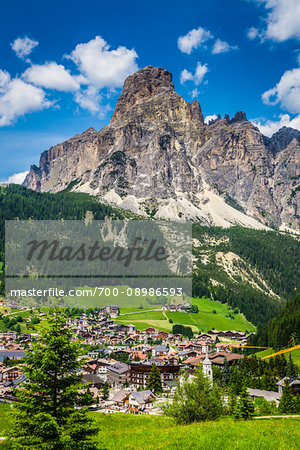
[(63, 63)]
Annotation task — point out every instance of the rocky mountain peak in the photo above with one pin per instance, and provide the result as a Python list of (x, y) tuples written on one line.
[(281, 139), (158, 159), (141, 85), (196, 112), (240, 116)]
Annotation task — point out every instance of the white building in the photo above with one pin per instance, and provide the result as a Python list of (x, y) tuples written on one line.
[(207, 367)]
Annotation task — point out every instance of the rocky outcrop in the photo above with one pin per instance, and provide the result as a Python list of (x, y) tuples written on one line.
[(142, 85), (280, 140), (157, 158)]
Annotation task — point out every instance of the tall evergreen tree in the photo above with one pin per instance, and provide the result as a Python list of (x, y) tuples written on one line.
[(237, 380), (286, 403), (232, 399), (47, 416), (291, 368), (154, 381), (105, 391), (244, 408), (226, 372), (297, 404)]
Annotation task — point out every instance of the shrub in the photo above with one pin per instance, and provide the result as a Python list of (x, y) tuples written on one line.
[(196, 399)]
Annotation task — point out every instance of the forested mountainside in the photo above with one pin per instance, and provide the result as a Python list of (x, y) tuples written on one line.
[(254, 270), (278, 332), (17, 202)]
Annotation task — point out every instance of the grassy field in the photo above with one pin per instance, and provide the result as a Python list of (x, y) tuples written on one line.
[(295, 355), (130, 301), (124, 431), (13, 313), (204, 320), (152, 432)]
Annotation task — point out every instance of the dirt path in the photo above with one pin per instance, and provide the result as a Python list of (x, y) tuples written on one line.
[(279, 417), (165, 315)]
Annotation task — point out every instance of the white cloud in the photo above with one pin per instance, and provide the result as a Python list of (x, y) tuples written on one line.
[(222, 47), (253, 33), (51, 76), (100, 71), (197, 78), (201, 70), (286, 92), (195, 93), (17, 178), (282, 21), (186, 76), (19, 98), (193, 39), (209, 118), (269, 127), (23, 47), (4, 80), (89, 99), (102, 67)]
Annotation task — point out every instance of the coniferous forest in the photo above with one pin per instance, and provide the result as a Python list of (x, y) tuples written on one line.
[(281, 328), (265, 272)]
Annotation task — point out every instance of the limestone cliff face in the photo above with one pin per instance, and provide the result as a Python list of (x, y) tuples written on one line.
[(156, 157)]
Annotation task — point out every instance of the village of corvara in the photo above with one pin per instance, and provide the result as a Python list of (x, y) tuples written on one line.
[(140, 381), (150, 225)]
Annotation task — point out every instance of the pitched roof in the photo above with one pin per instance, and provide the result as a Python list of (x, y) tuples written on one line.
[(292, 381), (268, 395), (120, 367), (193, 361), (120, 396), (92, 378), (142, 396), (160, 348)]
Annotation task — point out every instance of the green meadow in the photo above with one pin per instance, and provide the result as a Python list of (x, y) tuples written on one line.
[(211, 314), (125, 431), (120, 431)]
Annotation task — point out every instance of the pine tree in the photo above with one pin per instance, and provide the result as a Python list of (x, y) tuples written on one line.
[(232, 399), (226, 372), (280, 365), (296, 404), (154, 381), (105, 391), (286, 404), (244, 408), (237, 380), (291, 369), (46, 416)]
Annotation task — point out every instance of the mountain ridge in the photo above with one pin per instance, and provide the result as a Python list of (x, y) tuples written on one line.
[(157, 158)]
